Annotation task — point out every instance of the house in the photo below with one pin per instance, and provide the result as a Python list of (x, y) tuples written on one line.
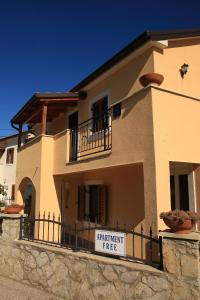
[(8, 162), (111, 150)]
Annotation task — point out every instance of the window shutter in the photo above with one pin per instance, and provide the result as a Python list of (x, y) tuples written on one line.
[(81, 203), (11, 155), (13, 192), (103, 203), (7, 156)]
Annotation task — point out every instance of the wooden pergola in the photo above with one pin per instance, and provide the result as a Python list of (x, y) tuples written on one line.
[(43, 108)]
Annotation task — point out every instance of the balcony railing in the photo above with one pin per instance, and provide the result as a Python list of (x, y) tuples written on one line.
[(90, 137)]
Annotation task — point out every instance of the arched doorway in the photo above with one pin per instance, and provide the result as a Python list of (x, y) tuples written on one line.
[(27, 194)]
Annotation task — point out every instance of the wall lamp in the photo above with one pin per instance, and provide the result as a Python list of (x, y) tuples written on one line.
[(183, 70)]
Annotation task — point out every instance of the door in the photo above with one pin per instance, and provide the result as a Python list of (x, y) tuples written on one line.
[(73, 125)]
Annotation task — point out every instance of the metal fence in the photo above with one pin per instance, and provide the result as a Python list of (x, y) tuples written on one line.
[(8, 201), (80, 236), (91, 137)]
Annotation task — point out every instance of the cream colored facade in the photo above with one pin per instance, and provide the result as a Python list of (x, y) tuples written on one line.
[(156, 135), (8, 167)]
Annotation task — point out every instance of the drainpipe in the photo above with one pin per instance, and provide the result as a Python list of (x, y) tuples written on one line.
[(19, 129)]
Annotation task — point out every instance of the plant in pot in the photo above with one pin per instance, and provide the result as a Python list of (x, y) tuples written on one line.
[(180, 221), (13, 209), (4, 194), (2, 205)]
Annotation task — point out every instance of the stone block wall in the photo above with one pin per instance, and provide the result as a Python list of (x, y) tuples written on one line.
[(78, 275)]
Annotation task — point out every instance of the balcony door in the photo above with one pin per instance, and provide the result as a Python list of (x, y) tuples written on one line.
[(73, 125)]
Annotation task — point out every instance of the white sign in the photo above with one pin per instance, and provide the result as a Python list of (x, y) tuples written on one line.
[(110, 242)]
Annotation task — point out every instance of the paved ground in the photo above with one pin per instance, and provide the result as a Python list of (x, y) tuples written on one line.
[(10, 289)]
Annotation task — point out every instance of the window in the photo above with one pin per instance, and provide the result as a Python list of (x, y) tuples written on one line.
[(100, 114), (92, 203), (10, 156)]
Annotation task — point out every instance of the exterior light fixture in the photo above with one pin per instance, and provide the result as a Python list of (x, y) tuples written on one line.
[(183, 70)]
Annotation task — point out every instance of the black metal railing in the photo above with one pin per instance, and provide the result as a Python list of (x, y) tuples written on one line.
[(91, 137), (8, 201), (81, 236)]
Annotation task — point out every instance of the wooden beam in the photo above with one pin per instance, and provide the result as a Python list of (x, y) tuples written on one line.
[(32, 115), (44, 119), (20, 135)]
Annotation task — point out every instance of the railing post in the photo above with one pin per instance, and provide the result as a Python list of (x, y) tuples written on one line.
[(76, 237), (161, 252), (20, 228)]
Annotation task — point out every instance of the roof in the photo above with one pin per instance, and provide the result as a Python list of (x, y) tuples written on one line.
[(135, 44), (57, 103), (5, 138)]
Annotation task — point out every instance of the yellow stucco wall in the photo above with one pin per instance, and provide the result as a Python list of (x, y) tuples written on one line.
[(176, 131), (132, 139), (172, 58), (35, 161), (125, 190), (29, 165)]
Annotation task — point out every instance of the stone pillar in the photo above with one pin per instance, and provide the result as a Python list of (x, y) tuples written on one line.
[(181, 256), (10, 227)]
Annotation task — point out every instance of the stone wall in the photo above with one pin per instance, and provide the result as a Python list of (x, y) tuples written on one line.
[(78, 275)]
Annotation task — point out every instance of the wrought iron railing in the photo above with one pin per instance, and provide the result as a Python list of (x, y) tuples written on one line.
[(91, 137), (141, 247)]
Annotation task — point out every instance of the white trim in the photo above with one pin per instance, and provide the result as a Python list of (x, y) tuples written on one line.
[(105, 93), (192, 191), (99, 97)]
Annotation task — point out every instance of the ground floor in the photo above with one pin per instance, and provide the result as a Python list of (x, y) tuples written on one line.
[(124, 195)]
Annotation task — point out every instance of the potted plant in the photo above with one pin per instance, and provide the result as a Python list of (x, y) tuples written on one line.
[(13, 209), (2, 205), (180, 221)]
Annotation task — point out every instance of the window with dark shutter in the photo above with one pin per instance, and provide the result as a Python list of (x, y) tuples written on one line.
[(10, 156), (13, 192), (93, 207), (81, 203), (103, 196), (99, 114)]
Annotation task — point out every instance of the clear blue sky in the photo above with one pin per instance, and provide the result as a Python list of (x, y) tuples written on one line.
[(50, 45)]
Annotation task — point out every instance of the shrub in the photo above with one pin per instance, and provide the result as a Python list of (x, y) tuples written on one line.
[(180, 215)]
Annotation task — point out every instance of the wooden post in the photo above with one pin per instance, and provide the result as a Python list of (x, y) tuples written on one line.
[(20, 135), (44, 119)]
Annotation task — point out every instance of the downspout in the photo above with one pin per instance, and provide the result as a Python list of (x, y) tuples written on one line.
[(13, 126), (19, 129)]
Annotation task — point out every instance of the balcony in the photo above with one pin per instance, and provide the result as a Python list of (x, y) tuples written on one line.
[(90, 137)]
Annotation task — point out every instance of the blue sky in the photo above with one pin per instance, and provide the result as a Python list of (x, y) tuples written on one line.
[(52, 45)]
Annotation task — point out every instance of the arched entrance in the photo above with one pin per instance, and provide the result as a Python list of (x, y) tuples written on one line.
[(27, 194)]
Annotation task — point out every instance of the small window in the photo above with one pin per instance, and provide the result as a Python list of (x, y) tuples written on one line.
[(10, 156), (100, 114), (92, 203)]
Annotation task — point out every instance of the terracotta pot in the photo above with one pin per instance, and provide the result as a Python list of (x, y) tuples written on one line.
[(150, 78), (21, 206), (178, 227), (12, 210)]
